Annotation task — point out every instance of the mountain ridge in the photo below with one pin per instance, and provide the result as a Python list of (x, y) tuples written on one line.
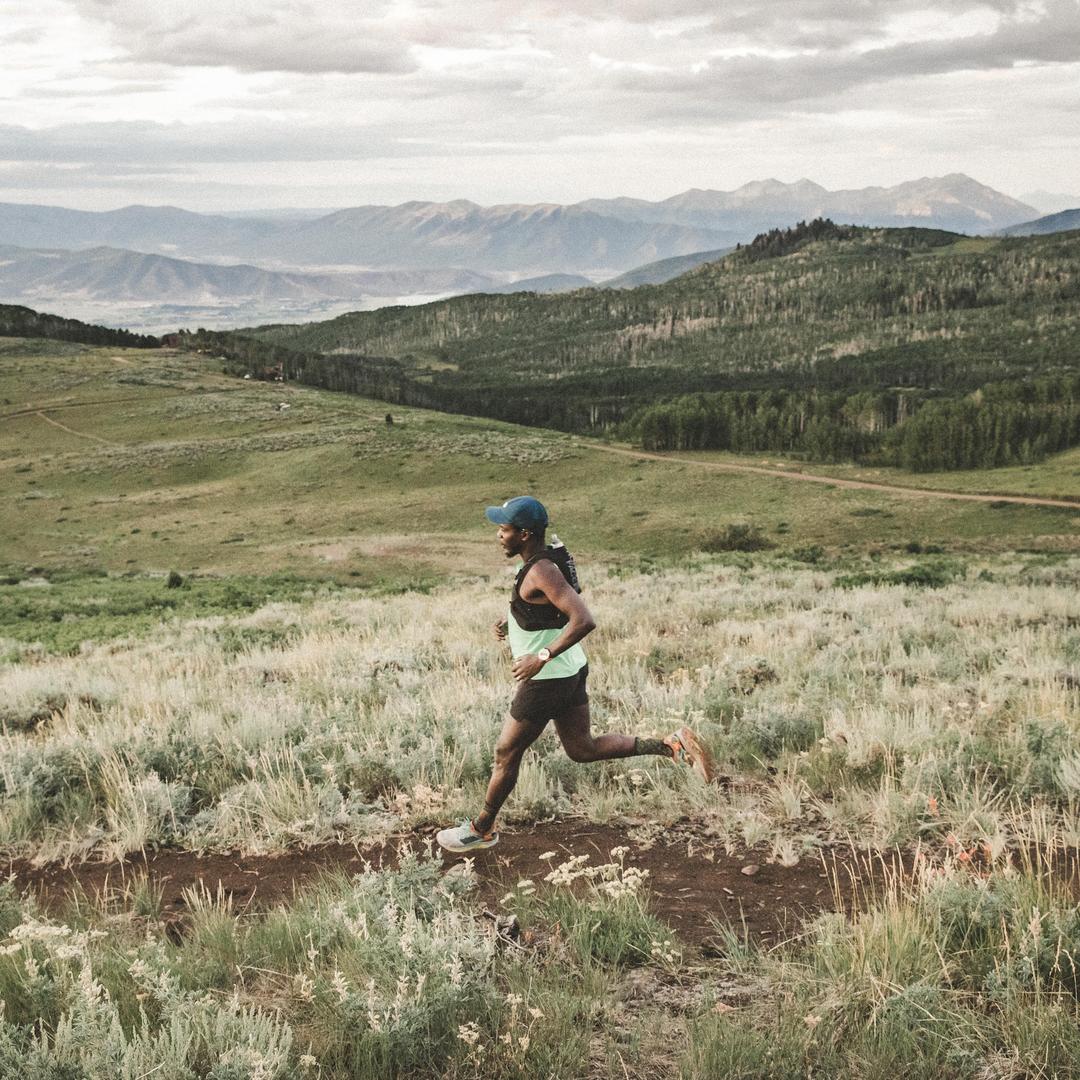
[(592, 237), (937, 202)]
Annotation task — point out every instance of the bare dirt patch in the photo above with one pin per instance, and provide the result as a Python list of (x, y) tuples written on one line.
[(331, 552), (693, 886)]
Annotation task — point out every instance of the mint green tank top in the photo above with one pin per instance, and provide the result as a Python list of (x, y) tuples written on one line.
[(532, 641)]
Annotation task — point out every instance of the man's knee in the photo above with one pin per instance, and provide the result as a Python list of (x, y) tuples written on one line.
[(580, 751)]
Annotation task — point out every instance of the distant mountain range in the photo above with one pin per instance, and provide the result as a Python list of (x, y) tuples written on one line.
[(529, 240), (1064, 221), (595, 238), (111, 274), (105, 275), (545, 238), (157, 230), (954, 202), (157, 268)]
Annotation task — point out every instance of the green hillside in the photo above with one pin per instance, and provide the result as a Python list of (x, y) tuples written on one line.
[(118, 466), (656, 273), (855, 329)]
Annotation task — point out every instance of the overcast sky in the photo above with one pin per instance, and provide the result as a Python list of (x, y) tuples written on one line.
[(237, 103)]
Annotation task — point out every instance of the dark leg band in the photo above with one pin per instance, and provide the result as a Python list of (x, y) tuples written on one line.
[(657, 747)]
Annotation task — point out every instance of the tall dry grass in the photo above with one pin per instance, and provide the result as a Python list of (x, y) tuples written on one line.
[(881, 714)]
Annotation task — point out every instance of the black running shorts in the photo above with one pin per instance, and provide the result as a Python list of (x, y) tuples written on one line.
[(539, 700)]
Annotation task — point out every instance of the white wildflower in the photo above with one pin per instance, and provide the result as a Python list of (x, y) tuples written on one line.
[(400, 991), (38, 931), (455, 970), (138, 969), (569, 871), (469, 1033), (305, 988)]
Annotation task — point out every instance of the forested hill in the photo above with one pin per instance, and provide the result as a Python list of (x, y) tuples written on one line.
[(816, 310), (16, 321)]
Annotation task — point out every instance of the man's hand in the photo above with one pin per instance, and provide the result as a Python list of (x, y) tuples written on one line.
[(499, 626), (525, 667)]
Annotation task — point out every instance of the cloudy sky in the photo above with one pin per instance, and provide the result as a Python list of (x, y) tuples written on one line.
[(237, 103)]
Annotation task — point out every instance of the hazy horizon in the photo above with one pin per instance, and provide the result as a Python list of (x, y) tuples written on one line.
[(1036, 199)]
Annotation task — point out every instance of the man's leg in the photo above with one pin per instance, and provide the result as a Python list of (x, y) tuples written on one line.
[(580, 745), (515, 738)]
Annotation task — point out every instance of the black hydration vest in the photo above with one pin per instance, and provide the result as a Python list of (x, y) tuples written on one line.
[(543, 616)]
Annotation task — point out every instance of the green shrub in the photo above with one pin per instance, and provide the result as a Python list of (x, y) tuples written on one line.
[(371, 778), (738, 536), (932, 575)]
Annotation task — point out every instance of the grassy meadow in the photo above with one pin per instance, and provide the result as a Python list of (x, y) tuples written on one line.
[(1056, 478), (160, 462), (873, 671)]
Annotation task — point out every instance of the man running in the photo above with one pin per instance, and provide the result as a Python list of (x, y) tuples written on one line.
[(547, 622)]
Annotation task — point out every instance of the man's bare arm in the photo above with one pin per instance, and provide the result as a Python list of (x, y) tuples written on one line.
[(546, 578)]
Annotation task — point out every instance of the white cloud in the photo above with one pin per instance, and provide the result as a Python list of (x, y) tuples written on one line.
[(258, 35), (498, 100)]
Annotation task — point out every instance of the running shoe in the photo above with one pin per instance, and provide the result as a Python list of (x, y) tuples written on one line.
[(464, 837), (690, 750)]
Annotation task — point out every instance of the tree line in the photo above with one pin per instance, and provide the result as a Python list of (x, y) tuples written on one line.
[(16, 321), (1006, 423)]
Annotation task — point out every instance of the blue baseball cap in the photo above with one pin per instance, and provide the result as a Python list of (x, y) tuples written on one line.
[(524, 512)]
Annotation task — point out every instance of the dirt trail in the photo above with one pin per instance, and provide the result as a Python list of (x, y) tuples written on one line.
[(72, 431), (892, 489), (693, 883)]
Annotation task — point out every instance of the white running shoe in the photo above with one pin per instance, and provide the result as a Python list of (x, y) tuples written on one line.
[(464, 837)]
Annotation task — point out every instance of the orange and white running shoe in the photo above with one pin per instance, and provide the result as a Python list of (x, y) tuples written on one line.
[(689, 749)]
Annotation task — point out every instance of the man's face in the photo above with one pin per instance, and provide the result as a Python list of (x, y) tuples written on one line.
[(512, 540)]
